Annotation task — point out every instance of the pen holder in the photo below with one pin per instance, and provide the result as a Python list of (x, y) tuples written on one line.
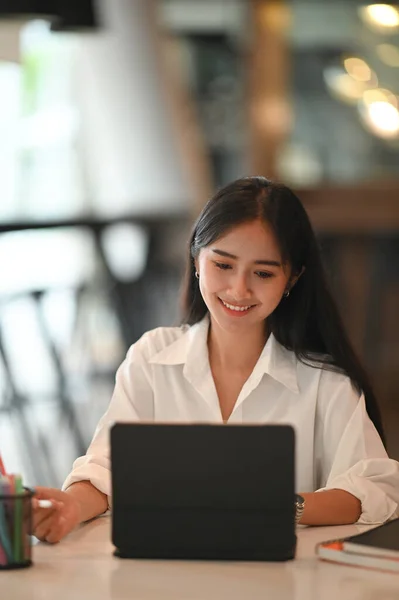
[(15, 530)]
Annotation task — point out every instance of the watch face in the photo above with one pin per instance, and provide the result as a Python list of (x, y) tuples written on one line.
[(299, 499)]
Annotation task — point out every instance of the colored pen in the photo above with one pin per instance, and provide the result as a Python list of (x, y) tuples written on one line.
[(3, 557), (2, 467)]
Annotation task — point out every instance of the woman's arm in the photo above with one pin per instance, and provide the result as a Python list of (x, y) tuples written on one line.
[(87, 489), (330, 507), (350, 457), (91, 501), (132, 401)]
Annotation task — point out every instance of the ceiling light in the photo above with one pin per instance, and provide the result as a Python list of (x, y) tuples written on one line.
[(380, 15), (382, 119), (358, 69), (344, 87), (379, 95)]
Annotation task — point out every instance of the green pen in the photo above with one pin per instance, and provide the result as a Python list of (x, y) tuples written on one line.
[(19, 490)]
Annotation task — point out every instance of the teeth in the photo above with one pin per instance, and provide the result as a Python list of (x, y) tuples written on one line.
[(237, 308)]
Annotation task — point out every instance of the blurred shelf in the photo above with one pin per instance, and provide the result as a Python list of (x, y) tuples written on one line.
[(368, 209)]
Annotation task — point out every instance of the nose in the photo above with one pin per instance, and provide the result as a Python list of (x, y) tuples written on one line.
[(239, 289)]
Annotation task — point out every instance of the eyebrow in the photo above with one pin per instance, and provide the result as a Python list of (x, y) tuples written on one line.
[(271, 263)]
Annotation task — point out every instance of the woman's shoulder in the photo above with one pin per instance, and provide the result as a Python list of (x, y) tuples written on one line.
[(155, 340), (329, 378)]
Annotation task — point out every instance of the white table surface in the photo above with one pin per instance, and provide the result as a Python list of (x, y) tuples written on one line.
[(82, 567)]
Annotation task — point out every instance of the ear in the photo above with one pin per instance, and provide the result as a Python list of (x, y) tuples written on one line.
[(196, 264), (294, 279)]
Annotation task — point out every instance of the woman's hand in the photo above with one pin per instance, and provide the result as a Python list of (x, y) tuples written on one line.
[(52, 524)]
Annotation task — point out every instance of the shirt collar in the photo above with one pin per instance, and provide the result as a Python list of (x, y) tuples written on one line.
[(191, 350), (192, 344), (279, 363)]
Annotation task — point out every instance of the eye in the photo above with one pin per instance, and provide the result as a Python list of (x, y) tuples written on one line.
[(222, 266), (263, 274)]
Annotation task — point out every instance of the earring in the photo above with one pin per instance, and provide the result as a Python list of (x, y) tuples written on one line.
[(287, 294), (197, 274)]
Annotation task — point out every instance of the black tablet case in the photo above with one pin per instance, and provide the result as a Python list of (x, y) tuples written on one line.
[(203, 491)]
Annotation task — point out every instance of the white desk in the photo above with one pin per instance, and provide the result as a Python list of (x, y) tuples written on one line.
[(82, 567)]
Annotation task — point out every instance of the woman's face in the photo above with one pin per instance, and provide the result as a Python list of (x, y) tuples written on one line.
[(242, 277)]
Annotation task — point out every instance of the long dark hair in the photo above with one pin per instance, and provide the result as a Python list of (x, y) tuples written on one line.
[(307, 322)]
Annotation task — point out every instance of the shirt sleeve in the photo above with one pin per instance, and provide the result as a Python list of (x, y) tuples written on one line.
[(350, 454), (132, 400)]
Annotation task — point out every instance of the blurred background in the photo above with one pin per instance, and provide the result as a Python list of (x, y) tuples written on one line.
[(118, 119)]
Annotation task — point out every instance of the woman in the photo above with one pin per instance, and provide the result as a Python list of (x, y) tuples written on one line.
[(261, 342)]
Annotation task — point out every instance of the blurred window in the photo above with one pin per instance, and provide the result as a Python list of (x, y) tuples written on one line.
[(39, 126)]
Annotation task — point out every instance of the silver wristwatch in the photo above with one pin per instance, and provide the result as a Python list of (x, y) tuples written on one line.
[(299, 507)]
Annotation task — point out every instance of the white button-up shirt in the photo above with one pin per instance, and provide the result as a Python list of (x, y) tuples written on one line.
[(166, 377)]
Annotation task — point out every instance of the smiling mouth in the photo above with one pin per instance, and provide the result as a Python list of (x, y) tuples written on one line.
[(235, 307)]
